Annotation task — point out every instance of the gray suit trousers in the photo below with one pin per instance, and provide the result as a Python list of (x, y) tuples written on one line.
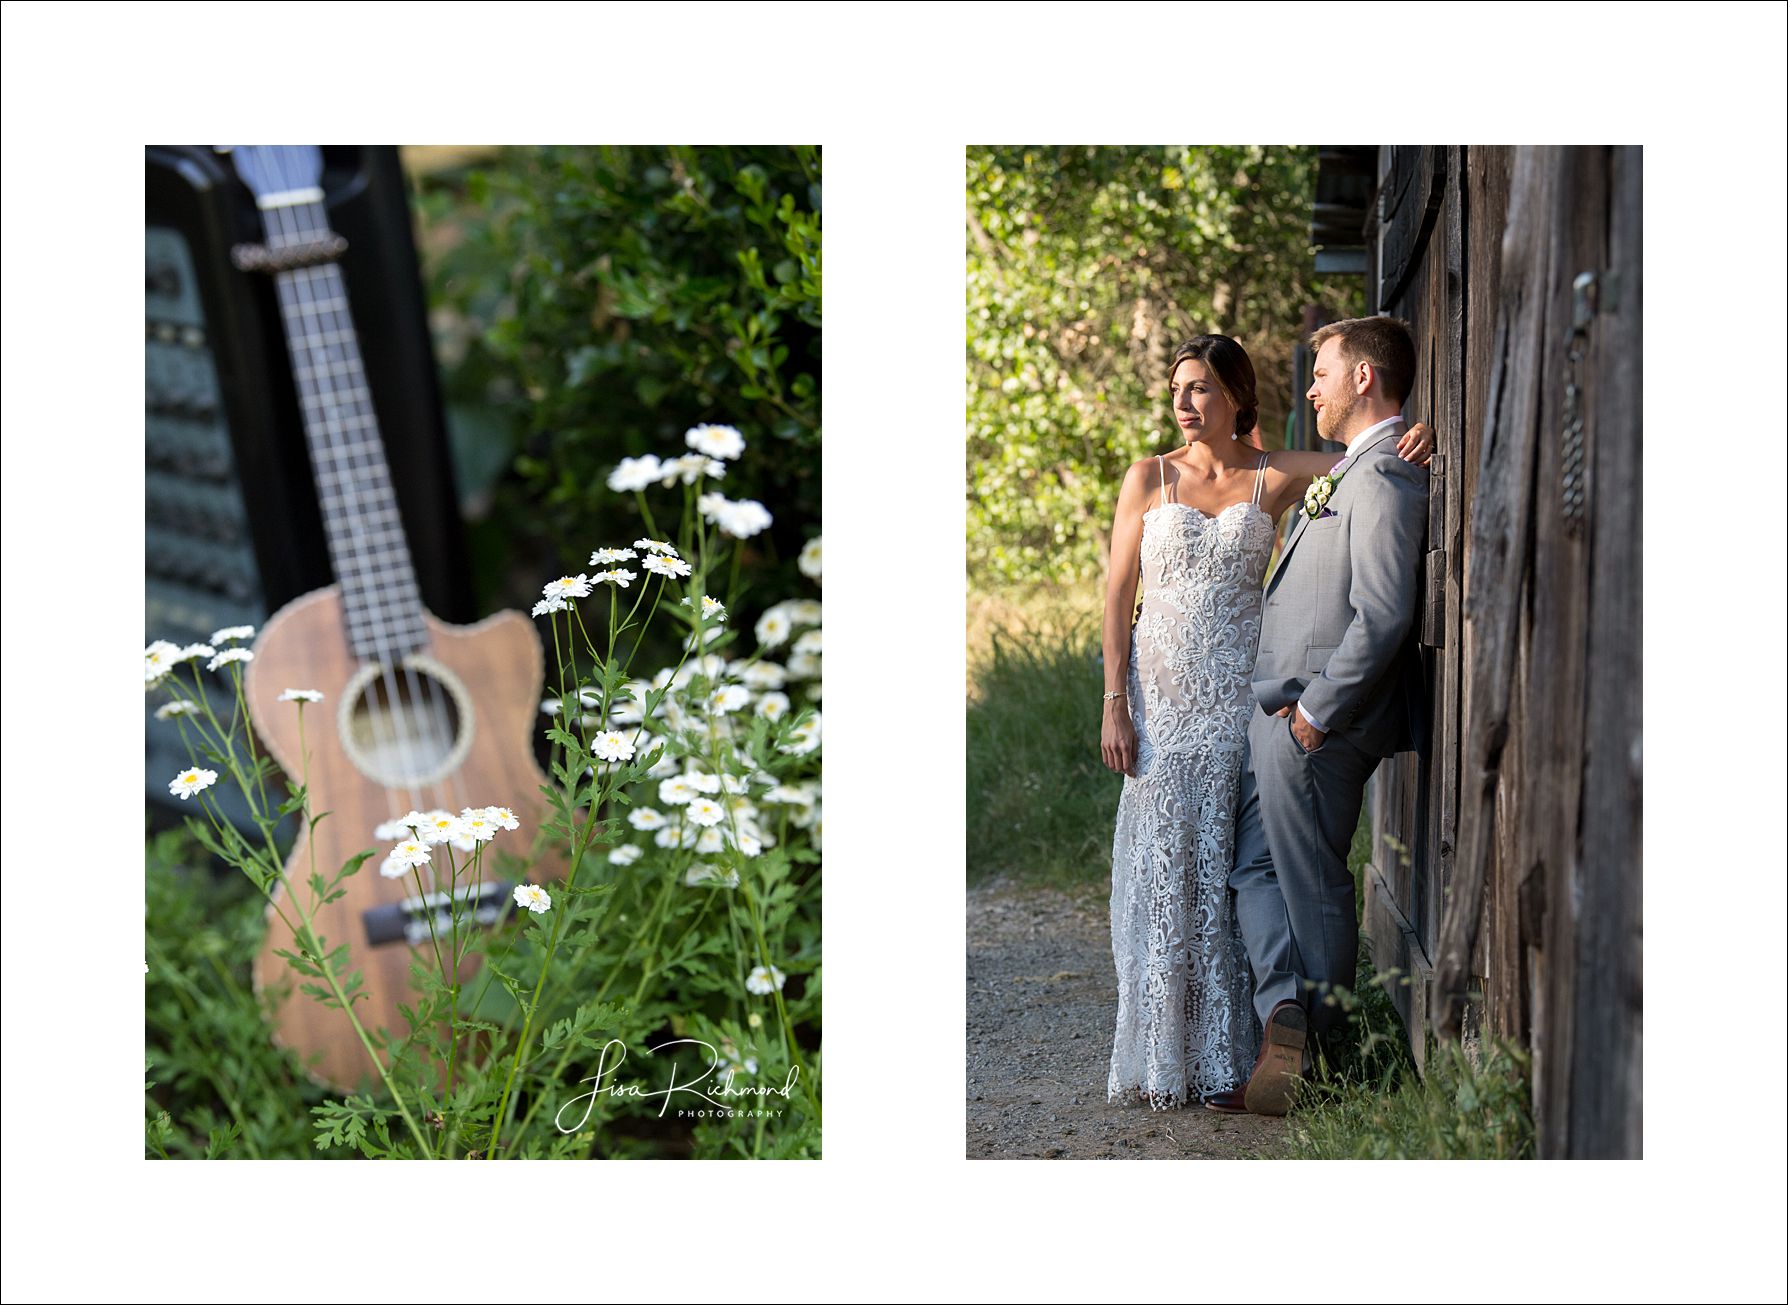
[(1294, 893)]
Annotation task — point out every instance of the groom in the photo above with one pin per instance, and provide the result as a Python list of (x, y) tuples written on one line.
[(1339, 687)]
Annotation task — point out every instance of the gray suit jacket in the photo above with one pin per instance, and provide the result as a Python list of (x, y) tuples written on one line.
[(1337, 627)]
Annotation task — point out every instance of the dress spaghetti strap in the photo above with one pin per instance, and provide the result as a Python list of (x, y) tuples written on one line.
[(1259, 479), (1161, 462)]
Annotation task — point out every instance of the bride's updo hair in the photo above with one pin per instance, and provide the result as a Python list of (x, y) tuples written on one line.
[(1229, 363)]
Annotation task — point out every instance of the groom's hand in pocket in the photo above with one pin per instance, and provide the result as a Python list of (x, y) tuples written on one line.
[(1308, 736)]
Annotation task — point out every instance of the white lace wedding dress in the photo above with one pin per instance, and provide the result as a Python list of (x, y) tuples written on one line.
[(1186, 1026)]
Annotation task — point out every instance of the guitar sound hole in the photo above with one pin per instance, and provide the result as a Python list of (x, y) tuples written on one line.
[(404, 726)]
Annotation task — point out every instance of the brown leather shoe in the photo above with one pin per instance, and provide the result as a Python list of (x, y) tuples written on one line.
[(1227, 1102), (1281, 1059)]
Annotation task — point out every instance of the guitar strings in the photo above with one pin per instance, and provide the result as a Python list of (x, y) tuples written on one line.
[(336, 346)]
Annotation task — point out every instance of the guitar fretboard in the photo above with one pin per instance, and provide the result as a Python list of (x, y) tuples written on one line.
[(381, 603)]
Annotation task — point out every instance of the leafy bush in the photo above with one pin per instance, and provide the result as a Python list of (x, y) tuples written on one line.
[(1087, 266), (594, 302)]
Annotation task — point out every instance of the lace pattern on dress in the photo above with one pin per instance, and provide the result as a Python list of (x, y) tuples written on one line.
[(1186, 1025)]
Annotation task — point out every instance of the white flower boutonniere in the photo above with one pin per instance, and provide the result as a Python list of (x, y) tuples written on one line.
[(1316, 498)]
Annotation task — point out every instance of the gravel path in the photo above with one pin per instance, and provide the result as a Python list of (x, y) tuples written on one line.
[(1042, 1001)]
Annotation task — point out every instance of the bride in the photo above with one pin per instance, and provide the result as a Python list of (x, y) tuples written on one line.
[(1195, 526)]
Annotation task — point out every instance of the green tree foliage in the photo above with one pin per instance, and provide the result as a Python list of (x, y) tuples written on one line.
[(595, 302), (1086, 268)]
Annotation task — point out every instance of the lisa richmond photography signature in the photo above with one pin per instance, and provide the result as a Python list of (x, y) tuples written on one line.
[(614, 1055)]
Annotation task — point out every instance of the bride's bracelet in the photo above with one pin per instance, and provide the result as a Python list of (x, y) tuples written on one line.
[(1119, 694)]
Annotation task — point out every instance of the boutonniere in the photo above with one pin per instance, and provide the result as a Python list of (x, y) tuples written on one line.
[(1316, 498)]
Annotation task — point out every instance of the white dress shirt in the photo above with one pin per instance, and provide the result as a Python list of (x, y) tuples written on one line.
[(1357, 442)]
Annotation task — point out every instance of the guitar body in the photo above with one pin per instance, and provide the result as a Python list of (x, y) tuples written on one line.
[(482, 683)]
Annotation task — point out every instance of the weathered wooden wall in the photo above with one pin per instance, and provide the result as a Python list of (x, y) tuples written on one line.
[(1504, 876)]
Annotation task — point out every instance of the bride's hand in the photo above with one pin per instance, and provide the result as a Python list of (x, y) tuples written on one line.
[(1417, 444), (1117, 738)]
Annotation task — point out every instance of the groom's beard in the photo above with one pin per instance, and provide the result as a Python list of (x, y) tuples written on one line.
[(1335, 419)]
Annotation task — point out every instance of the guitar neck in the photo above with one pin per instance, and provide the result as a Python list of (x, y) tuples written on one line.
[(380, 598)]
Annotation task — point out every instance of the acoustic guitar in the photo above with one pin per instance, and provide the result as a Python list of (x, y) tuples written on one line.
[(416, 714)]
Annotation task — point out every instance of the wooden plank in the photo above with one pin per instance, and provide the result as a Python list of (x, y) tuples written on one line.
[(1486, 213), (1605, 1108), (1499, 551), (1418, 188), (1394, 943)]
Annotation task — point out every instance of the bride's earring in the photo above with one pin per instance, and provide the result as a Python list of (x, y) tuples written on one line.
[(1234, 436)]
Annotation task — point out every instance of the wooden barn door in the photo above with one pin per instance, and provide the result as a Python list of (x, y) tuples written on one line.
[(1544, 905), (1419, 274)]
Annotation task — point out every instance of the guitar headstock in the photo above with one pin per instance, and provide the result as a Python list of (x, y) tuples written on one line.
[(278, 173)]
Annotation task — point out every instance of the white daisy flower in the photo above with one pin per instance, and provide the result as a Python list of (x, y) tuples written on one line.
[(712, 608), (634, 474), (669, 836), (442, 827), (755, 1020), (710, 842), (464, 844), (612, 745), (391, 829), (773, 628), (728, 697), (533, 898), (802, 795), (741, 519), (703, 781), (159, 658), (410, 853), (626, 854), (677, 790), (230, 633), (229, 655), (543, 608), (664, 765), (603, 556), (733, 784), (567, 586), (772, 706), (618, 576), (702, 873), (809, 561), (715, 441), (666, 566), (178, 707), (706, 811), (691, 467), (749, 844), (478, 826), (810, 642), (392, 868), (502, 817), (801, 611), (301, 695), (803, 666), (765, 979), (193, 651), (646, 818), (656, 546), (188, 782), (759, 675)]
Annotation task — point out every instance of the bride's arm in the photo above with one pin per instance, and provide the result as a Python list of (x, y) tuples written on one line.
[(1117, 736), (1289, 471)]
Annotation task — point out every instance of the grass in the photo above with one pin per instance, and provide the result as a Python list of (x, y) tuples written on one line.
[(1371, 1103), (1041, 807), (1040, 801)]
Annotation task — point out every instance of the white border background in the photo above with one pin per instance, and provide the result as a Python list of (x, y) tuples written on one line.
[(893, 93)]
